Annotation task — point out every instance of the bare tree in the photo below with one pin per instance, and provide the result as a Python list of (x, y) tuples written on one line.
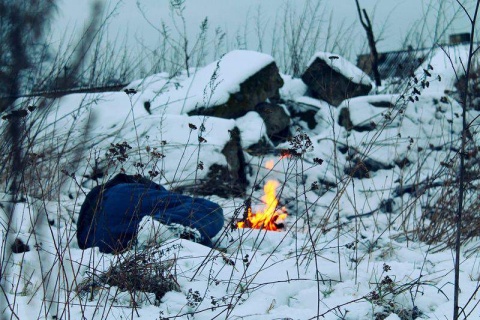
[(367, 25), (465, 101)]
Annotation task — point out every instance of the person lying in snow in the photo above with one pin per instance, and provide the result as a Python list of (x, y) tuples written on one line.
[(111, 213)]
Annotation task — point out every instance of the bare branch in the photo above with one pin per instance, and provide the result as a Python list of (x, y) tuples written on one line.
[(360, 14), (466, 11), (367, 25)]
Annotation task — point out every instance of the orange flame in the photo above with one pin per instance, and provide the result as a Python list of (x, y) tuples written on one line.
[(270, 164), (270, 218)]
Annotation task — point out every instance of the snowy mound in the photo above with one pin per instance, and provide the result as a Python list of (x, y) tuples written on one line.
[(443, 67), (101, 120), (155, 82)]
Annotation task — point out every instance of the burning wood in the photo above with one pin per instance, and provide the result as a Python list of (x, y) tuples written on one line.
[(271, 217)]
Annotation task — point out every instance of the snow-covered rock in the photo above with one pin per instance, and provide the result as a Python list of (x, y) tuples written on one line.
[(369, 112), (332, 78), (311, 114), (227, 88), (276, 118)]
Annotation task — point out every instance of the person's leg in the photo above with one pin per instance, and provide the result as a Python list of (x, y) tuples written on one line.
[(201, 214)]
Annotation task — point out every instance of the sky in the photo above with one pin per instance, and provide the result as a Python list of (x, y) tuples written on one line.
[(392, 21)]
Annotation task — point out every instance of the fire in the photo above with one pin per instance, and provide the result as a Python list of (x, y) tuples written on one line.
[(270, 164), (271, 217)]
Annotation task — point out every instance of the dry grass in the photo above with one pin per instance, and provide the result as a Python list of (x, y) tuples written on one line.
[(140, 271), (438, 222)]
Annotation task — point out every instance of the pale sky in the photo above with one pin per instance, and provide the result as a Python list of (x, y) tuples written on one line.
[(235, 17)]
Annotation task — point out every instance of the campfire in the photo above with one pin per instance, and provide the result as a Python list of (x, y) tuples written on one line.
[(271, 217)]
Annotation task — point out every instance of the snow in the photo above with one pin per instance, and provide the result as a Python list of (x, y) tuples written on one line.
[(364, 111), (157, 81), (213, 84), (252, 129), (105, 119), (293, 88), (312, 102), (448, 63), (343, 66), (393, 316), (337, 242)]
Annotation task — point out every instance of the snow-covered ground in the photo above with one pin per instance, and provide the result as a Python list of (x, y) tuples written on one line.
[(347, 250)]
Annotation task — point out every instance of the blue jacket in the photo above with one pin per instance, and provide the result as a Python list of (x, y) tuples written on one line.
[(111, 213)]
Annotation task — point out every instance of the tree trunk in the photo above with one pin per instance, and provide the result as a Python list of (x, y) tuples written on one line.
[(367, 25)]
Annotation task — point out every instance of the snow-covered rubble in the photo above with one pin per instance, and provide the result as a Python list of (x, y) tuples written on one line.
[(348, 249)]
